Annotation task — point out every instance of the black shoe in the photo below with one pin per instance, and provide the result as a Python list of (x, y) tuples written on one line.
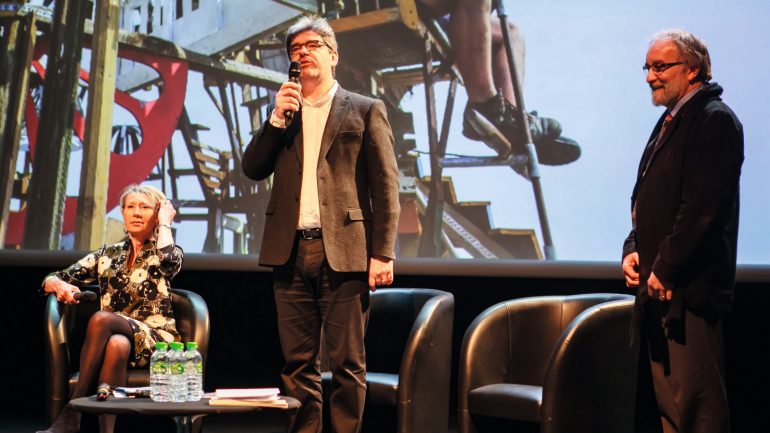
[(558, 151), (488, 123), (494, 123)]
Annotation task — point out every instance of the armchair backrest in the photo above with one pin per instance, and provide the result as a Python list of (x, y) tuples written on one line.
[(592, 373), (392, 316), (410, 336), (511, 342)]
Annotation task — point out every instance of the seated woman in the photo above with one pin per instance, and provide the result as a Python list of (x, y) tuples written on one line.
[(134, 277)]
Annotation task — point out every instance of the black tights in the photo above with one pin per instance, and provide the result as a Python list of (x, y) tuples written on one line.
[(106, 351)]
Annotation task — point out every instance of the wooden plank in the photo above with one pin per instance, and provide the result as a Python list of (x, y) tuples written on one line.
[(521, 243), (20, 38), (462, 232), (409, 76), (94, 175), (366, 20), (226, 69), (409, 16), (202, 157), (211, 172), (47, 190), (212, 184)]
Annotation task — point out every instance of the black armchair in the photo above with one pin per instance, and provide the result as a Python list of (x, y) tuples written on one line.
[(408, 357), (563, 362), (65, 327)]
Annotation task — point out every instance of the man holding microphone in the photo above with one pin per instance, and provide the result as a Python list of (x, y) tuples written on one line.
[(331, 222)]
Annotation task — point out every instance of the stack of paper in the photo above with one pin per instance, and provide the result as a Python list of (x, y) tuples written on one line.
[(258, 397)]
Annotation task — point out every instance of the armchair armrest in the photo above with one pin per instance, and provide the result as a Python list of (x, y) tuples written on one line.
[(192, 319), (425, 372), (56, 358), (482, 362)]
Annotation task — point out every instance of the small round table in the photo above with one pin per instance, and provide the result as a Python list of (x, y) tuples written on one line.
[(183, 413)]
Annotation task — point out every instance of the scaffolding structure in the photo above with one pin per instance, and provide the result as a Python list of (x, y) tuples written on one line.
[(386, 48)]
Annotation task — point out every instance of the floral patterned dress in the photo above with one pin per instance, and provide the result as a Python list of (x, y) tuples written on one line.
[(140, 294)]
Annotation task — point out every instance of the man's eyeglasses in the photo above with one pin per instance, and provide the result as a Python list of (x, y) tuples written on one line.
[(311, 45), (658, 68)]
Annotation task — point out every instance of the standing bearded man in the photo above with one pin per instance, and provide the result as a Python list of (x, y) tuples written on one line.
[(681, 252), (331, 223)]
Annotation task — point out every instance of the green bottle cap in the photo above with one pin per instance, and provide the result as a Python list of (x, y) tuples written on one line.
[(176, 345), (191, 345), (161, 345)]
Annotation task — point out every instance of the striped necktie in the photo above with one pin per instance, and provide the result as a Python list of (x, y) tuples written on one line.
[(659, 140)]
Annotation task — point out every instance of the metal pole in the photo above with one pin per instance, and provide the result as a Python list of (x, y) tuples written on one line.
[(533, 166), (430, 240)]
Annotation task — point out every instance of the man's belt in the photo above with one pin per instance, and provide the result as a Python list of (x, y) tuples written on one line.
[(314, 233)]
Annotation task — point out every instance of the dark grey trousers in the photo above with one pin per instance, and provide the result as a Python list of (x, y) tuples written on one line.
[(310, 296), (687, 366)]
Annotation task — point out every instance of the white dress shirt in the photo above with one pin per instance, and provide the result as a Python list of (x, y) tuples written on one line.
[(314, 117)]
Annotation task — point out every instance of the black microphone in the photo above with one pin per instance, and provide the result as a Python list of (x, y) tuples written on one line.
[(294, 73), (84, 296)]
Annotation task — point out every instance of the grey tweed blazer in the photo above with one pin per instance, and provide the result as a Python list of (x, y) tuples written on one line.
[(357, 184)]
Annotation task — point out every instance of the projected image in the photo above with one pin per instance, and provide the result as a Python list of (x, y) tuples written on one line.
[(517, 137)]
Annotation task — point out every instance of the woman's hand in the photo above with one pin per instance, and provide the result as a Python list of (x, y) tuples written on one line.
[(65, 292), (166, 213)]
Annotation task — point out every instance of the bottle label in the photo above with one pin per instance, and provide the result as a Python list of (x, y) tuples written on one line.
[(199, 368), (160, 368), (177, 368)]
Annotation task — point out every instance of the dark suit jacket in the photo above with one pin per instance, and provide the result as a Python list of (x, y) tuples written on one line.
[(357, 184), (686, 226)]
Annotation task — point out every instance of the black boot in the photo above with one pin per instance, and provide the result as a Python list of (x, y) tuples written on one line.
[(67, 422), (494, 122)]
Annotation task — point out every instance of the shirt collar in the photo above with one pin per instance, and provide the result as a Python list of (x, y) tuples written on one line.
[(324, 100), (686, 98)]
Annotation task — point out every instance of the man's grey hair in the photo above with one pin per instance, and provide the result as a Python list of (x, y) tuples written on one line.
[(693, 50), (315, 24)]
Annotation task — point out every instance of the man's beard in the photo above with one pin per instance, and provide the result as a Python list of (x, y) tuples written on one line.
[(664, 95)]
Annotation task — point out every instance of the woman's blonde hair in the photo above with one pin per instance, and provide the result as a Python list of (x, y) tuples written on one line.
[(154, 195)]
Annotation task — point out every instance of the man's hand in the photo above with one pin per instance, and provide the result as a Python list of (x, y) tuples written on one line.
[(631, 269), (287, 98), (380, 272), (655, 289)]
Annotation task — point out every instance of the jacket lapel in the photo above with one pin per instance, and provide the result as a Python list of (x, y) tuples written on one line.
[(296, 132), (649, 152), (708, 92), (658, 144), (339, 108)]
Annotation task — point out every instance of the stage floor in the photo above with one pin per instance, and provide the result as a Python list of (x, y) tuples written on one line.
[(230, 423)]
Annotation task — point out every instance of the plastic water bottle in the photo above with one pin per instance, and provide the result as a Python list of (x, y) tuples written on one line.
[(159, 373), (194, 371), (178, 382)]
